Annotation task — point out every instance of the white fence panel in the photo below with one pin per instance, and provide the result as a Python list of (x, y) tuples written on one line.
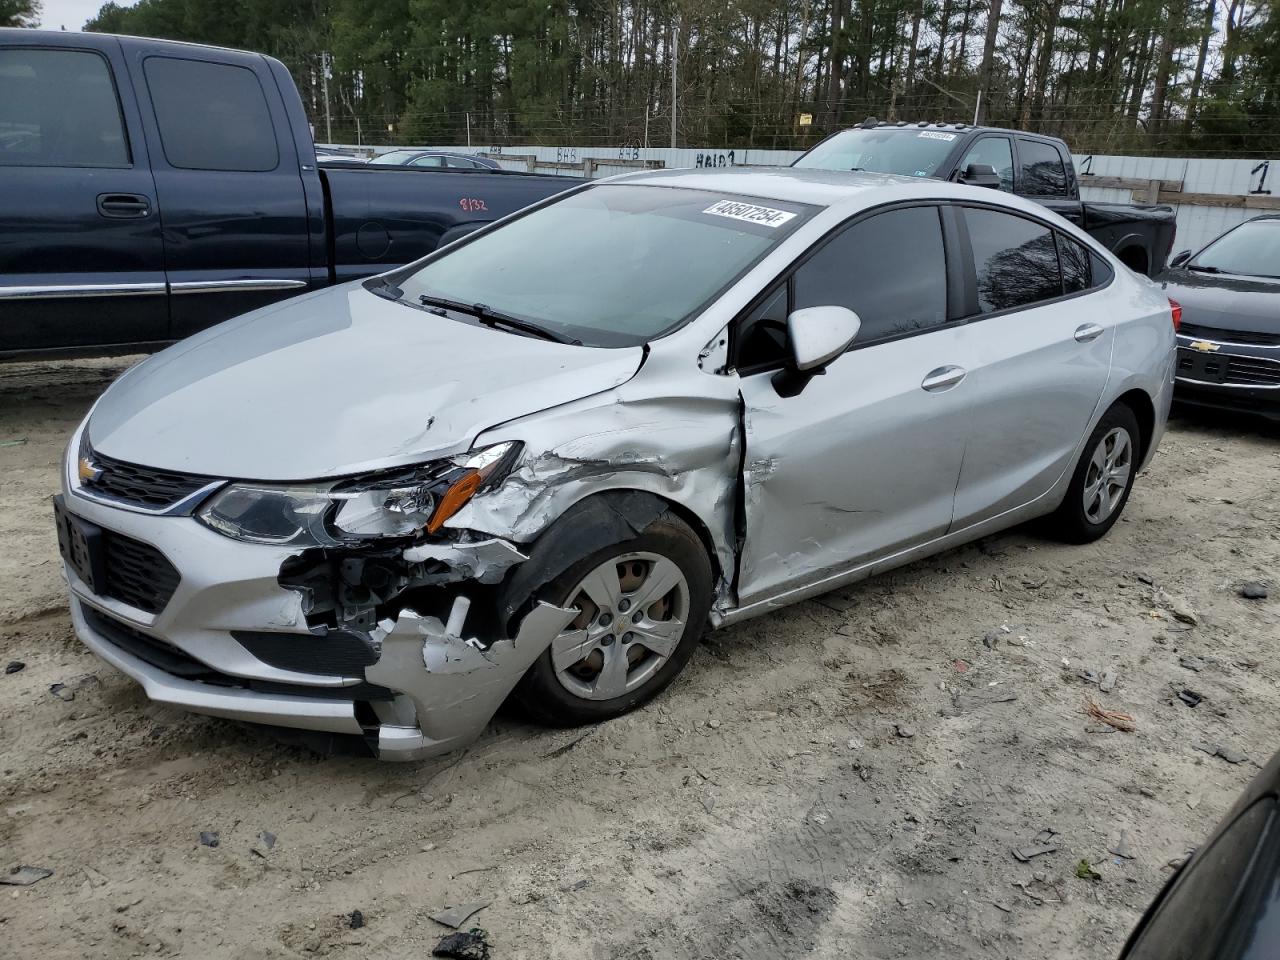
[(1198, 222)]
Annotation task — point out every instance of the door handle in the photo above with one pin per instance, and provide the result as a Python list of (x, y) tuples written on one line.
[(123, 206), (943, 378), (1088, 331)]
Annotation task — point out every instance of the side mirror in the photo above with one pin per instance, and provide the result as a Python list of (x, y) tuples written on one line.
[(981, 175), (1179, 258), (816, 335)]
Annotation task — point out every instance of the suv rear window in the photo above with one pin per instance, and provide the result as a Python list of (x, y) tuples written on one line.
[(212, 116), (58, 108)]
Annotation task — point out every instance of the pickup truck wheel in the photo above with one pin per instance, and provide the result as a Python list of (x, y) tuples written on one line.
[(1102, 480), (642, 605)]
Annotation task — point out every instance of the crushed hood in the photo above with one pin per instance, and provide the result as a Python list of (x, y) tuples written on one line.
[(335, 382), (1226, 302)]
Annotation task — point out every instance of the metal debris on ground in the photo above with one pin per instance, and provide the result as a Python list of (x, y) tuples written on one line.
[(1041, 843), (455, 917), (472, 944), (354, 920), (209, 838), (1253, 591), (1190, 697), (25, 876), (16, 442), (13, 666), (1112, 718), (1121, 848), (1194, 664), (1223, 753)]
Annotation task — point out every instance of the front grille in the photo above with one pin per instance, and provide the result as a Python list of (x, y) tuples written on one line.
[(144, 487), (1229, 336), (137, 573), (165, 656), (337, 654), (1253, 372)]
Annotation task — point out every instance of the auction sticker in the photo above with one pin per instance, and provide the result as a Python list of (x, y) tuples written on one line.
[(934, 135), (749, 213)]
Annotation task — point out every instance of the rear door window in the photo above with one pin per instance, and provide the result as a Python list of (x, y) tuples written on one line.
[(58, 108), (1043, 174), (890, 269), (996, 152), (212, 116), (1015, 260)]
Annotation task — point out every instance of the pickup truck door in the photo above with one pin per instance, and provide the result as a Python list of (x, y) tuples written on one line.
[(1042, 338), (81, 260), (229, 181), (1047, 176)]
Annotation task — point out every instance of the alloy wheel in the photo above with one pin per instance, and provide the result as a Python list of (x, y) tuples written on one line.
[(1108, 475)]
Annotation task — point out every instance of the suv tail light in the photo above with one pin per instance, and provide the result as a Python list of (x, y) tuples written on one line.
[(1176, 309)]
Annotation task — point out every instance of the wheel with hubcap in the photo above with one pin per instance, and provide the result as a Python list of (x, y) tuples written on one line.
[(642, 605), (1102, 480)]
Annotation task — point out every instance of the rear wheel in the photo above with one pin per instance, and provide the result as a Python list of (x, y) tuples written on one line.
[(1102, 480), (642, 606)]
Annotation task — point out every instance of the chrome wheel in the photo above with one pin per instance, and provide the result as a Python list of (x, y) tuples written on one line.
[(632, 614), (1108, 475)]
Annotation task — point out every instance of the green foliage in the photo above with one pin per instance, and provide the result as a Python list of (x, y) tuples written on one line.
[(1110, 76), (19, 13)]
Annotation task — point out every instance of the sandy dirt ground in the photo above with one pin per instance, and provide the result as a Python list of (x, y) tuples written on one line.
[(845, 778)]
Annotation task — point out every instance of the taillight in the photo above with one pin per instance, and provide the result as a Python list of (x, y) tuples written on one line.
[(1176, 309)]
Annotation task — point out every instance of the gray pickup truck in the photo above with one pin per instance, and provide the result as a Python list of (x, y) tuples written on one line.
[(1028, 164)]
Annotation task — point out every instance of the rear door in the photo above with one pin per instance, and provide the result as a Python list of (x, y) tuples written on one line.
[(228, 176), (1046, 175), (81, 260), (1042, 330), (864, 461)]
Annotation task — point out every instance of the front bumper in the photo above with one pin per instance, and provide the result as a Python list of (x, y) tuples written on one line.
[(428, 692), (1228, 376)]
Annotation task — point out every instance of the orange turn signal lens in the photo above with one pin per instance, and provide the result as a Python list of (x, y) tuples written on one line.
[(454, 499)]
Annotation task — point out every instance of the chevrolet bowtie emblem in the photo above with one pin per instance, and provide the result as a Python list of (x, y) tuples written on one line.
[(1204, 346), (88, 470)]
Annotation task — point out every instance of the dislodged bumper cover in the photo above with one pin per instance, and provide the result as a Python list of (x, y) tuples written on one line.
[(456, 685)]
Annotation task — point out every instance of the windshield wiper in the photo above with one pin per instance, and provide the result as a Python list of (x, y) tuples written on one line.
[(494, 318), (1199, 269)]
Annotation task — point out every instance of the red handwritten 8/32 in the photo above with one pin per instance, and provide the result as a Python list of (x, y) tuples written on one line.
[(471, 204)]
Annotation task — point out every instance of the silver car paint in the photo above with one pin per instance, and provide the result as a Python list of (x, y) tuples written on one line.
[(682, 426)]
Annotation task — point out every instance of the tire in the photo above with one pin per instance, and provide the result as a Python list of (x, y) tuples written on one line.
[(551, 694), (1076, 521)]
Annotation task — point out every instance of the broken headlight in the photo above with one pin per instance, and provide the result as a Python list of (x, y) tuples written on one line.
[(399, 503)]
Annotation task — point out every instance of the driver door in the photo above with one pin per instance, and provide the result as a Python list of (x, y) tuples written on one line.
[(863, 462)]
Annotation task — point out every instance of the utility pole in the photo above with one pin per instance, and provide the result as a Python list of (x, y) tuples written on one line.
[(646, 126), (324, 84), (675, 66), (468, 128)]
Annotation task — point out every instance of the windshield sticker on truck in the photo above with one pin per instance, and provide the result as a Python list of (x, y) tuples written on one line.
[(749, 212), (934, 135)]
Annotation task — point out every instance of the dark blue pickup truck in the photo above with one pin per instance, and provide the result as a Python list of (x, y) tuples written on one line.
[(149, 189)]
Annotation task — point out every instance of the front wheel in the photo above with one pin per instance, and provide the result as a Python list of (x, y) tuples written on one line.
[(1102, 480), (642, 606)]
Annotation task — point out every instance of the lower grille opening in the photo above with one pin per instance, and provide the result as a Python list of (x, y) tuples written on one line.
[(164, 656)]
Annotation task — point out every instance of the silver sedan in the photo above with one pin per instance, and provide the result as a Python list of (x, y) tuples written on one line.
[(543, 460)]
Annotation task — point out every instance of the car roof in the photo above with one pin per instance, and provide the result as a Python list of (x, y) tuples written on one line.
[(871, 123), (825, 188)]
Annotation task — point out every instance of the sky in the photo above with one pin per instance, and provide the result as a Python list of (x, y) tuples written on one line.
[(72, 13)]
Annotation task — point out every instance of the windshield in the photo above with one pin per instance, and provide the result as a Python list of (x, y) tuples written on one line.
[(910, 151), (394, 157), (1250, 250), (612, 265)]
